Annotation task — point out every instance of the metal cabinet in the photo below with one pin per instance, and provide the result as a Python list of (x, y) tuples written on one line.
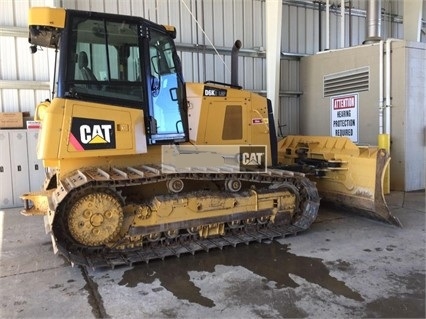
[(6, 196), (20, 170), (35, 166)]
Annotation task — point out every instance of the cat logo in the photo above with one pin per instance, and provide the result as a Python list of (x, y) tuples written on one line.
[(96, 134), (89, 134), (253, 158)]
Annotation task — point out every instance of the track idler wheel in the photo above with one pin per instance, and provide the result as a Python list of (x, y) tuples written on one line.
[(171, 234), (95, 218), (175, 185), (154, 237), (233, 185)]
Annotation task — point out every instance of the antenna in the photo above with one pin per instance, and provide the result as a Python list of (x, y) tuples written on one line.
[(205, 34)]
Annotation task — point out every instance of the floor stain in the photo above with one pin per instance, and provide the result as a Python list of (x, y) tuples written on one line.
[(272, 261), (94, 298), (410, 304)]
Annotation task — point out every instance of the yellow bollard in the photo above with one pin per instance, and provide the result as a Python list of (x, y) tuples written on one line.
[(384, 142)]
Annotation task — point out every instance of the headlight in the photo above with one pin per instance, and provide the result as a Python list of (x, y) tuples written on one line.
[(41, 111)]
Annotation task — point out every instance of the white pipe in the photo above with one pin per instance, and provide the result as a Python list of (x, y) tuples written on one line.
[(273, 54), (388, 87), (342, 24), (327, 25), (381, 87)]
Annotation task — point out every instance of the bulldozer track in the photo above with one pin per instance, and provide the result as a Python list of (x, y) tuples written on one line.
[(180, 246), (185, 243)]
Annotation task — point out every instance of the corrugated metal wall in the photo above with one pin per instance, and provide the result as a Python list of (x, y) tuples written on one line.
[(201, 24)]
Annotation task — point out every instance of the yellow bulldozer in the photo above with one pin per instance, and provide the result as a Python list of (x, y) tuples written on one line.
[(141, 165)]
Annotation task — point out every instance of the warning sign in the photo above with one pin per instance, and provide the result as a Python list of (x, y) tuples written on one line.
[(344, 116)]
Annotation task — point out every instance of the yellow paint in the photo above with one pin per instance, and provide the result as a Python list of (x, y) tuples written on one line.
[(47, 17), (384, 142)]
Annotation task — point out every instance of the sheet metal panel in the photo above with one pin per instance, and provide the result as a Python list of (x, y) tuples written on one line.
[(10, 100), (8, 56), (35, 166), (19, 164), (289, 103), (7, 13), (288, 119), (6, 195)]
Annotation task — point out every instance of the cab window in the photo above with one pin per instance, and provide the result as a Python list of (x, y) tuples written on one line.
[(105, 61), (165, 87)]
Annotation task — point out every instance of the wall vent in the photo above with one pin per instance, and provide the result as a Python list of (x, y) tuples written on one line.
[(350, 81)]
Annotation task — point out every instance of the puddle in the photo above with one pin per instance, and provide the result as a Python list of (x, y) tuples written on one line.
[(272, 261)]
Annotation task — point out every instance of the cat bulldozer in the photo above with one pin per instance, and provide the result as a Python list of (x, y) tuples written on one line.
[(141, 165)]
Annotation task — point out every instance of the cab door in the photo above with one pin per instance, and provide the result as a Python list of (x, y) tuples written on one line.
[(167, 115)]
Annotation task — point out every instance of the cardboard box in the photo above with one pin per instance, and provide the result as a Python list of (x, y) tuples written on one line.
[(12, 119)]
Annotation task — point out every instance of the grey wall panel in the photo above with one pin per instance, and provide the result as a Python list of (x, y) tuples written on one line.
[(289, 100), (16, 63), (7, 13), (288, 119), (212, 28), (10, 100), (26, 100), (289, 76), (259, 80), (40, 95), (187, 31), (8, 71), (21, 100), (311, 25)]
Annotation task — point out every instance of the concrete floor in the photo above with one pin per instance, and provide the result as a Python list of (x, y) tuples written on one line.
[(345, 266)]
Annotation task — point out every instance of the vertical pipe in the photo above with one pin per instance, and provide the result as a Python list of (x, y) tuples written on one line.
[(234, 62), (204, 66), (327, 25), (384, 139), (319, 26), (273, 53), (388, 87), (53, 55), (350, 23), (381, 87), (374, 20), (342, 24)]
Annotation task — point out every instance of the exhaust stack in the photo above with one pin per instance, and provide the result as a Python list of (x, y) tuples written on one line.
[(374, 21), (234, 62)]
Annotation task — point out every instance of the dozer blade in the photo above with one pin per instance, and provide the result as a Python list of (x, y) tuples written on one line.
[(344, 173)]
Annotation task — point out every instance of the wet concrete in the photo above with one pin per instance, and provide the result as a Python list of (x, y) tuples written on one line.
[(403, 305), (345, 266), (271, 261)]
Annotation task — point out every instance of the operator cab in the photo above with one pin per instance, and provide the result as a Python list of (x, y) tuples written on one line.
[(121, 60)]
